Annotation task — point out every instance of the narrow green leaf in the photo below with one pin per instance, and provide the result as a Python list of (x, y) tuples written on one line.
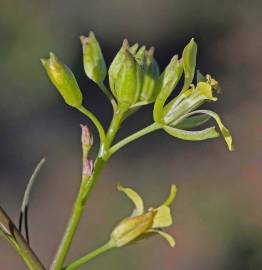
[(26, 198)]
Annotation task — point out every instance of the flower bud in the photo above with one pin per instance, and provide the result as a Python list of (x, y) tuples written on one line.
[(64, 80), (125, 77), (87, 167), (131, 228), (166, 84), (151, 74), (94, 64), (86, 137)]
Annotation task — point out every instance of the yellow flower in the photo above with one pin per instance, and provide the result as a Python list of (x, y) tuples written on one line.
[(142, 223)]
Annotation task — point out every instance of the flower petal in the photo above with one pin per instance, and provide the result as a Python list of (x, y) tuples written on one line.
[(170, 239), (137, 200), (225, 132), (171, 196), (166, 84), (189, 63), (194, 98), (163, 217), (204, 134)]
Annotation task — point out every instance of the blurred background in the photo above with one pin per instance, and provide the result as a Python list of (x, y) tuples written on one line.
[(218, 210)]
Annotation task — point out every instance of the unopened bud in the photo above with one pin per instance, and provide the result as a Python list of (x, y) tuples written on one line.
[(86, 138), (64, 80), (166, 84), (151, 74), (94, 63), (87, 167), (125, 76)]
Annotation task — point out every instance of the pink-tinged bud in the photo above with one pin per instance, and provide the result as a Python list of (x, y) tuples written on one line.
[(87, 139), (87, 167)]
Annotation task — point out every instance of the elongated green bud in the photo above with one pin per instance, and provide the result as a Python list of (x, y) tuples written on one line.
[(94, 63), (166, 84), (189, 63), (64, 80), (125, 77), (131, 228), (116, 65), (149, 90)]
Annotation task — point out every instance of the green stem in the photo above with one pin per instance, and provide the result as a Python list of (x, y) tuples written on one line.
[(83, 260), (108, 94), (95, 121), (134, 136), (9, 231), (86, 187), (88, 184), (115, 125)]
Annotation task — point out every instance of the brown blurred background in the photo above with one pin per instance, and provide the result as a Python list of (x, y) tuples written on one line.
[(218, 211)]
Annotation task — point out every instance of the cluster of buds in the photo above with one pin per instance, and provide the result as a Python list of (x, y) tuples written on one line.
[(141, 224), (133, 75), (135, 80)]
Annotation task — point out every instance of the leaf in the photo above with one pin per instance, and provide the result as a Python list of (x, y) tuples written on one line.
[(163, 217), (189, 63), (26, 198), (170, 239), (136, 199), (204, 134), (191, 122), (224, 131)]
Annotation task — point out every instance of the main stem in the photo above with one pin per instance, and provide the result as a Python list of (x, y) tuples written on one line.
[(87, 187)]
